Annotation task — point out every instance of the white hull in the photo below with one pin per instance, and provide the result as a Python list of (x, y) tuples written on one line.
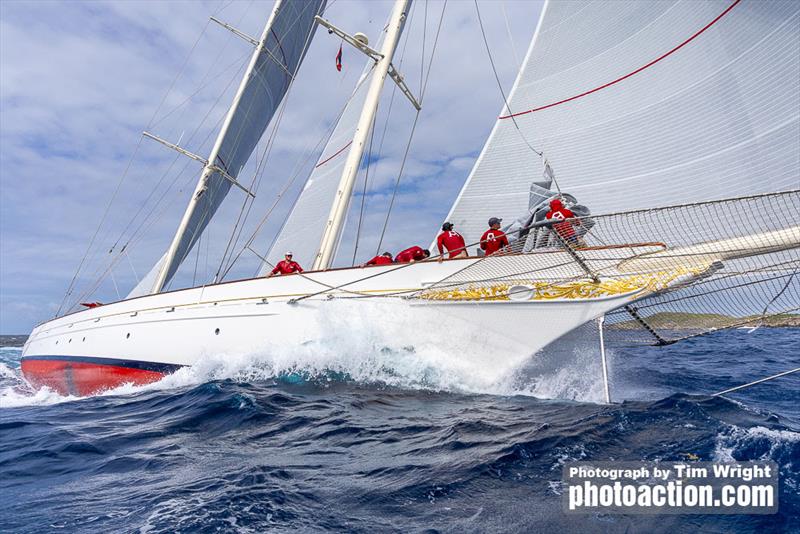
[(160, 332)]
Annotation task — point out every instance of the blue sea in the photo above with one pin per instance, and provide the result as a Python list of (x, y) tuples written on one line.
[(359, 444)]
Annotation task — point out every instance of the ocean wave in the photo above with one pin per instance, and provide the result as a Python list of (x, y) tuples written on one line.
[(576, 376), (757, 443)]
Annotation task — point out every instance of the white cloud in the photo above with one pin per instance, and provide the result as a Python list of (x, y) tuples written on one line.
[(79, 81)]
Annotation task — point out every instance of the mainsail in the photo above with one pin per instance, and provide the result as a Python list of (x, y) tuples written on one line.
[(643, 104), (275, 62)]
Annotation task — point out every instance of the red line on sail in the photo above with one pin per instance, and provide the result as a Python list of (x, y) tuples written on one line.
[(321, 163), (640, 69)]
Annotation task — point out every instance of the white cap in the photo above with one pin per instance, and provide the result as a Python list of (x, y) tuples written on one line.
[(289, 253)]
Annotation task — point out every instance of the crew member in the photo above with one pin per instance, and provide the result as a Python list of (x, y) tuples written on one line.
[(452, 241), (494, 238), (410, 255), (383, 259), (286, 266), (565, 230)]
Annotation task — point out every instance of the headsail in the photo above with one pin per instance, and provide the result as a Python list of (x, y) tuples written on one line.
[(303, 229), (329, 187), (642, 104), (275, 62)]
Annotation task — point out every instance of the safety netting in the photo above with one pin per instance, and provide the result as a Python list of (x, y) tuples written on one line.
[(689, 269)]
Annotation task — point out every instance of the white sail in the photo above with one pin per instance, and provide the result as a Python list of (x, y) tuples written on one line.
[(282, 48), (303, 230), (641, 104)]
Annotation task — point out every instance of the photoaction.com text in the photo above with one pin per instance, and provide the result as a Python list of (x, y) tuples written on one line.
[(671, 487)]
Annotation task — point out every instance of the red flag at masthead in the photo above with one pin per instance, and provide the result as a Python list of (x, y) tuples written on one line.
[(339, 59)]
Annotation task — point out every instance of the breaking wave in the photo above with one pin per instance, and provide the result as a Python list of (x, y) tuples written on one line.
[(323, 364), (351, 437)]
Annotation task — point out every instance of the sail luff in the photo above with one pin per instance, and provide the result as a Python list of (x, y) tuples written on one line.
[(504, 110), (335, 221), (643, 104), (209, 167)]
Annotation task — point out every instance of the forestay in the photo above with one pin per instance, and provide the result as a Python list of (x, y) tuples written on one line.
[(302, 232), (643, 104), (286, 40)]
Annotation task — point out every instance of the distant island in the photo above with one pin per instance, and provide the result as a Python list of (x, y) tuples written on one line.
[(12, 340), (706, 321)]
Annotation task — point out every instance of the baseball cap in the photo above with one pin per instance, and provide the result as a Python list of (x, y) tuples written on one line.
[(495, 220)]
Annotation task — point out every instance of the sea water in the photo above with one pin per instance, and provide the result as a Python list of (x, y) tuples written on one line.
[(389, 440)]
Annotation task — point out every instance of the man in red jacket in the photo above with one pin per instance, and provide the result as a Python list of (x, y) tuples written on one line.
[(286, 266), (410, 255), (494, 238), (452, 241), (383, 259), (559, 212)]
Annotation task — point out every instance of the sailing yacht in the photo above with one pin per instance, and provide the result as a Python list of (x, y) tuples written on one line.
[(678, 121)]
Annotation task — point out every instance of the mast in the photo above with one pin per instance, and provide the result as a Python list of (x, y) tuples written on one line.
[(335, 220), (211, 167)]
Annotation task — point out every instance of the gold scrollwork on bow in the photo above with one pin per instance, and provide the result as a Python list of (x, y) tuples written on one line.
[(574, 290)]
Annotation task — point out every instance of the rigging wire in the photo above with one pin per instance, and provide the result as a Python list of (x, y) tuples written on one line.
[(258, 175), (135, 274), (424, 40), (517, 62), (93, 239), (761, 381), (502, 92), (497, 79), (145, 221), (196, 260), (148, 221), (154, 189), (413, 129), (314, 152), (364, 191), (367, 181), (71, 285), (204, 82), (146, 224), (778, 295), (299, 167)]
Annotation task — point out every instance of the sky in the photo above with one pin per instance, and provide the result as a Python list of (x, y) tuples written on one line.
[(80, 81)]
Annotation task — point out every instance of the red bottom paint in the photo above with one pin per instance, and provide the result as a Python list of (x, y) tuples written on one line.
[(81, 378)]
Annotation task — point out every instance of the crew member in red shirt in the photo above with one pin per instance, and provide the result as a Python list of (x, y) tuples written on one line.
[(565, 230), (286, 266), (452, 241), (410, 255), (494, 238), (383, 259)]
